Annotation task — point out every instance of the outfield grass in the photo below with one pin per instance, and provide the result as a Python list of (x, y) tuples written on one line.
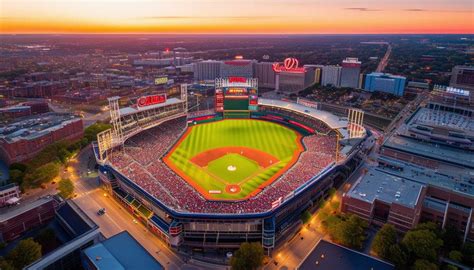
[(277, 140)]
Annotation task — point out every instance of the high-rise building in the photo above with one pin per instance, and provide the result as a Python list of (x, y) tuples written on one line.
[(291, 82), (331, 76), (317, 70), (384, 82), (463, 77), (265, 74), (350, 72), (207, 70), (237, 68)]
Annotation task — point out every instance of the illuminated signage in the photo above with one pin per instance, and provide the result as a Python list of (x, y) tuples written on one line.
[(289, 65), (237, 80), (236, 91), (151, 100), (161, 80)]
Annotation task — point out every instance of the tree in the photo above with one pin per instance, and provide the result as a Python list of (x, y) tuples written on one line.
[(424, 265), (383, 240), (451, 238), (6, 265), (248, 257), (90, 133), (26, 252), (455, 255), (398, 256), (349, 232), (424, 244), (66, 188), (16, 176), (41, 175), (305, 217)]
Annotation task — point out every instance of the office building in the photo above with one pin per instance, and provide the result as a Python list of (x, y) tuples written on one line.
[(265, 74), (331, 76), (207, 70), (350, 72), (384, 82), (291, 82), (463, 77), (120, 251), (22, 140)]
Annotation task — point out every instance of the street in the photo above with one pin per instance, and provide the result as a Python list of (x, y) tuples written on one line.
[(90, 198)]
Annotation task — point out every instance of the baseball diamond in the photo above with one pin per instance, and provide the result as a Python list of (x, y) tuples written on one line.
[(234, 159)]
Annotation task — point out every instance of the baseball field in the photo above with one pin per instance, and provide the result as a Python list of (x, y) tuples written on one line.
[(234, 159)]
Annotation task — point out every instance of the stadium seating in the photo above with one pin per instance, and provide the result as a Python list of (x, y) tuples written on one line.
[(141, 162)]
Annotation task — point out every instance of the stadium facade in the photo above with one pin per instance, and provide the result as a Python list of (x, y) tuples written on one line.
[(184, 220)]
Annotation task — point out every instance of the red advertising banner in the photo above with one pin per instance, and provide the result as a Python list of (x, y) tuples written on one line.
[(151, 100)]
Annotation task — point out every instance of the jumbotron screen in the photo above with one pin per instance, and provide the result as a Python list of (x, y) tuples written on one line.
[(236, 99)]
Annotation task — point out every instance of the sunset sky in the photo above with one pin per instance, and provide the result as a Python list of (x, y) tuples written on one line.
[(237, 16)]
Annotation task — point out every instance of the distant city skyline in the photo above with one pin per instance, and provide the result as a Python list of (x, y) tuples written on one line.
[(237, 17)]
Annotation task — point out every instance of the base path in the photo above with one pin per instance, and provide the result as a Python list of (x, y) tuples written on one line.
[(262, 158)]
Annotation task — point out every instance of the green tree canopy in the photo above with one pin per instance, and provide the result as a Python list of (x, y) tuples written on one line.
[(42, 174), (455, 255), (90, 133), (26, 252), (305, 217), (66, 188), (248, 257), (383, 240), (424, 265), (398, 256), (423, 244), (349, 232)]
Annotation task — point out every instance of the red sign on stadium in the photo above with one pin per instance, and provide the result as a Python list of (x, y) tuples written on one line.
[(237, 80), (151, 100)]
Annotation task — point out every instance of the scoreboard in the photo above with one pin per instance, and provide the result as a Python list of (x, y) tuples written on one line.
[(236, 95)]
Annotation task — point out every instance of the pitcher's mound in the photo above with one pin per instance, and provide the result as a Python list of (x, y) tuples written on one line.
[(231, 168)]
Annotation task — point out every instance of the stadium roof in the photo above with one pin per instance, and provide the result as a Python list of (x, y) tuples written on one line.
[(330, 119), (329, 256), (121, 251), (388, 188), (429, 150), (35, 126), (132, 110)]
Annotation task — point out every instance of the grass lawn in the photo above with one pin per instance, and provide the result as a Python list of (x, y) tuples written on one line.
[(244, 167), (277, 140)]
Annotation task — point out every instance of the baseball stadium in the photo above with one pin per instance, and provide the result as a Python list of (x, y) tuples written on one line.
[(243, 171)]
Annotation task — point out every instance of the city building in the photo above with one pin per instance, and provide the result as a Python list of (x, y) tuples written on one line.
[(384, 82), (265, 74), (207, 70), (16, 220), (24, 109), (9, 194), (331, 76), (317, 69), (291, 82), (23, 139), (76, 230), (463, 77), (237, 68), (330, 256), (350, 72), (424, 173), (120, 251)]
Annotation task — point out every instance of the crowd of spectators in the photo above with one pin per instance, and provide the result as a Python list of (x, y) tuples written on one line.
[(141, 162)]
